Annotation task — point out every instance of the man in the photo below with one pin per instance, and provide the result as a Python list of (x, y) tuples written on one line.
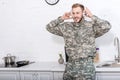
[(79, 37)]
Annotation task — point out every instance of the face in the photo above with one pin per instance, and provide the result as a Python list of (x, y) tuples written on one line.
[(77, 14)]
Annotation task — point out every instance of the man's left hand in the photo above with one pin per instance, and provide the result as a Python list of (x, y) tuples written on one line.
[(88, 12)]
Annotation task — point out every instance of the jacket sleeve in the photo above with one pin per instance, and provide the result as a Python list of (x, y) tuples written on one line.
[(100, 26), (55, 27)]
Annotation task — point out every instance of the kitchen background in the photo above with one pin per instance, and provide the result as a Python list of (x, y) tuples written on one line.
[(23, 28)]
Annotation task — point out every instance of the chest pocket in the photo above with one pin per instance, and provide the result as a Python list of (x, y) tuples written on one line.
[(85, 34), (68, 34), (87, 31)]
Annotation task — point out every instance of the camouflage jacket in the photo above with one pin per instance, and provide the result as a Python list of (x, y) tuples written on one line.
[(79, 37)]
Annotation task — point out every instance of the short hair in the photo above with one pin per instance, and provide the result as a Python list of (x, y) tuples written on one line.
[(78, 5)]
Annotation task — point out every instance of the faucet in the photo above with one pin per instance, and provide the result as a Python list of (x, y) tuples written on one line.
[(116, 43)]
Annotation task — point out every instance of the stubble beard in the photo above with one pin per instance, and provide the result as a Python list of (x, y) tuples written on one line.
[(77, 19)]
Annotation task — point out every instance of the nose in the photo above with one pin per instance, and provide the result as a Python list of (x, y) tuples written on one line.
[(75, 15)]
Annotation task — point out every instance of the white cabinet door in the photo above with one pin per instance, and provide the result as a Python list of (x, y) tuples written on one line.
[(108, 76), (45, 76), (58, 75), (28, 76), (8, 75), (36, 75)]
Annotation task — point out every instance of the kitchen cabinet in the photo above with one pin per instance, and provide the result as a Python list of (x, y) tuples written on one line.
[(36, 75), (51, 71), (108, 76), (9, 75), (58, 75), (99, 76)]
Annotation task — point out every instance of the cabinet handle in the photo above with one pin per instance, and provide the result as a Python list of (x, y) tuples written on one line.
[(34, 76), (37, 76)]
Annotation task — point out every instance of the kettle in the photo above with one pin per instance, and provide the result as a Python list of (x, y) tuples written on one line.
[(9, 60)]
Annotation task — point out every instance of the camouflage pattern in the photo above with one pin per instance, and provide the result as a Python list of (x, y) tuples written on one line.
[(80, 69), (80, 45)]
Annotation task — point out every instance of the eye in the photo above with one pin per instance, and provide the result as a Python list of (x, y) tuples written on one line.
[(73, 13), (77, 13)]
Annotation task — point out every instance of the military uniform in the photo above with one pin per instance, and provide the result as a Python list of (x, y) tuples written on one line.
[(80, 45)]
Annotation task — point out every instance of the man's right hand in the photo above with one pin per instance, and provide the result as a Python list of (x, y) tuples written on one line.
[(66, 16)]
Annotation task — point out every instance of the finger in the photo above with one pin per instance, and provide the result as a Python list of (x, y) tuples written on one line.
[(86, 8), (68, 14)]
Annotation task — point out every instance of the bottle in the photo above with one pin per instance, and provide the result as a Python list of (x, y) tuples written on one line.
[(60, 60), (96, 59)]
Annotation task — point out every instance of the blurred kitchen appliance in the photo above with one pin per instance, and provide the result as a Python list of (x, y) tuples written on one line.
[(22, 63), (9, 60)]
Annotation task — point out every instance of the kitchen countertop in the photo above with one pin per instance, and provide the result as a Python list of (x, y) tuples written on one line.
[(53, 66)]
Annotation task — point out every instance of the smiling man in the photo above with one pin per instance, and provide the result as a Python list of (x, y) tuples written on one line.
[(79, 37)]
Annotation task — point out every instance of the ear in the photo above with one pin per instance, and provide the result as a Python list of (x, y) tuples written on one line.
[(84, 12)]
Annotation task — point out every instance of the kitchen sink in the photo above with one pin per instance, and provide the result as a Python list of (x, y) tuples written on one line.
[(109, 65)]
